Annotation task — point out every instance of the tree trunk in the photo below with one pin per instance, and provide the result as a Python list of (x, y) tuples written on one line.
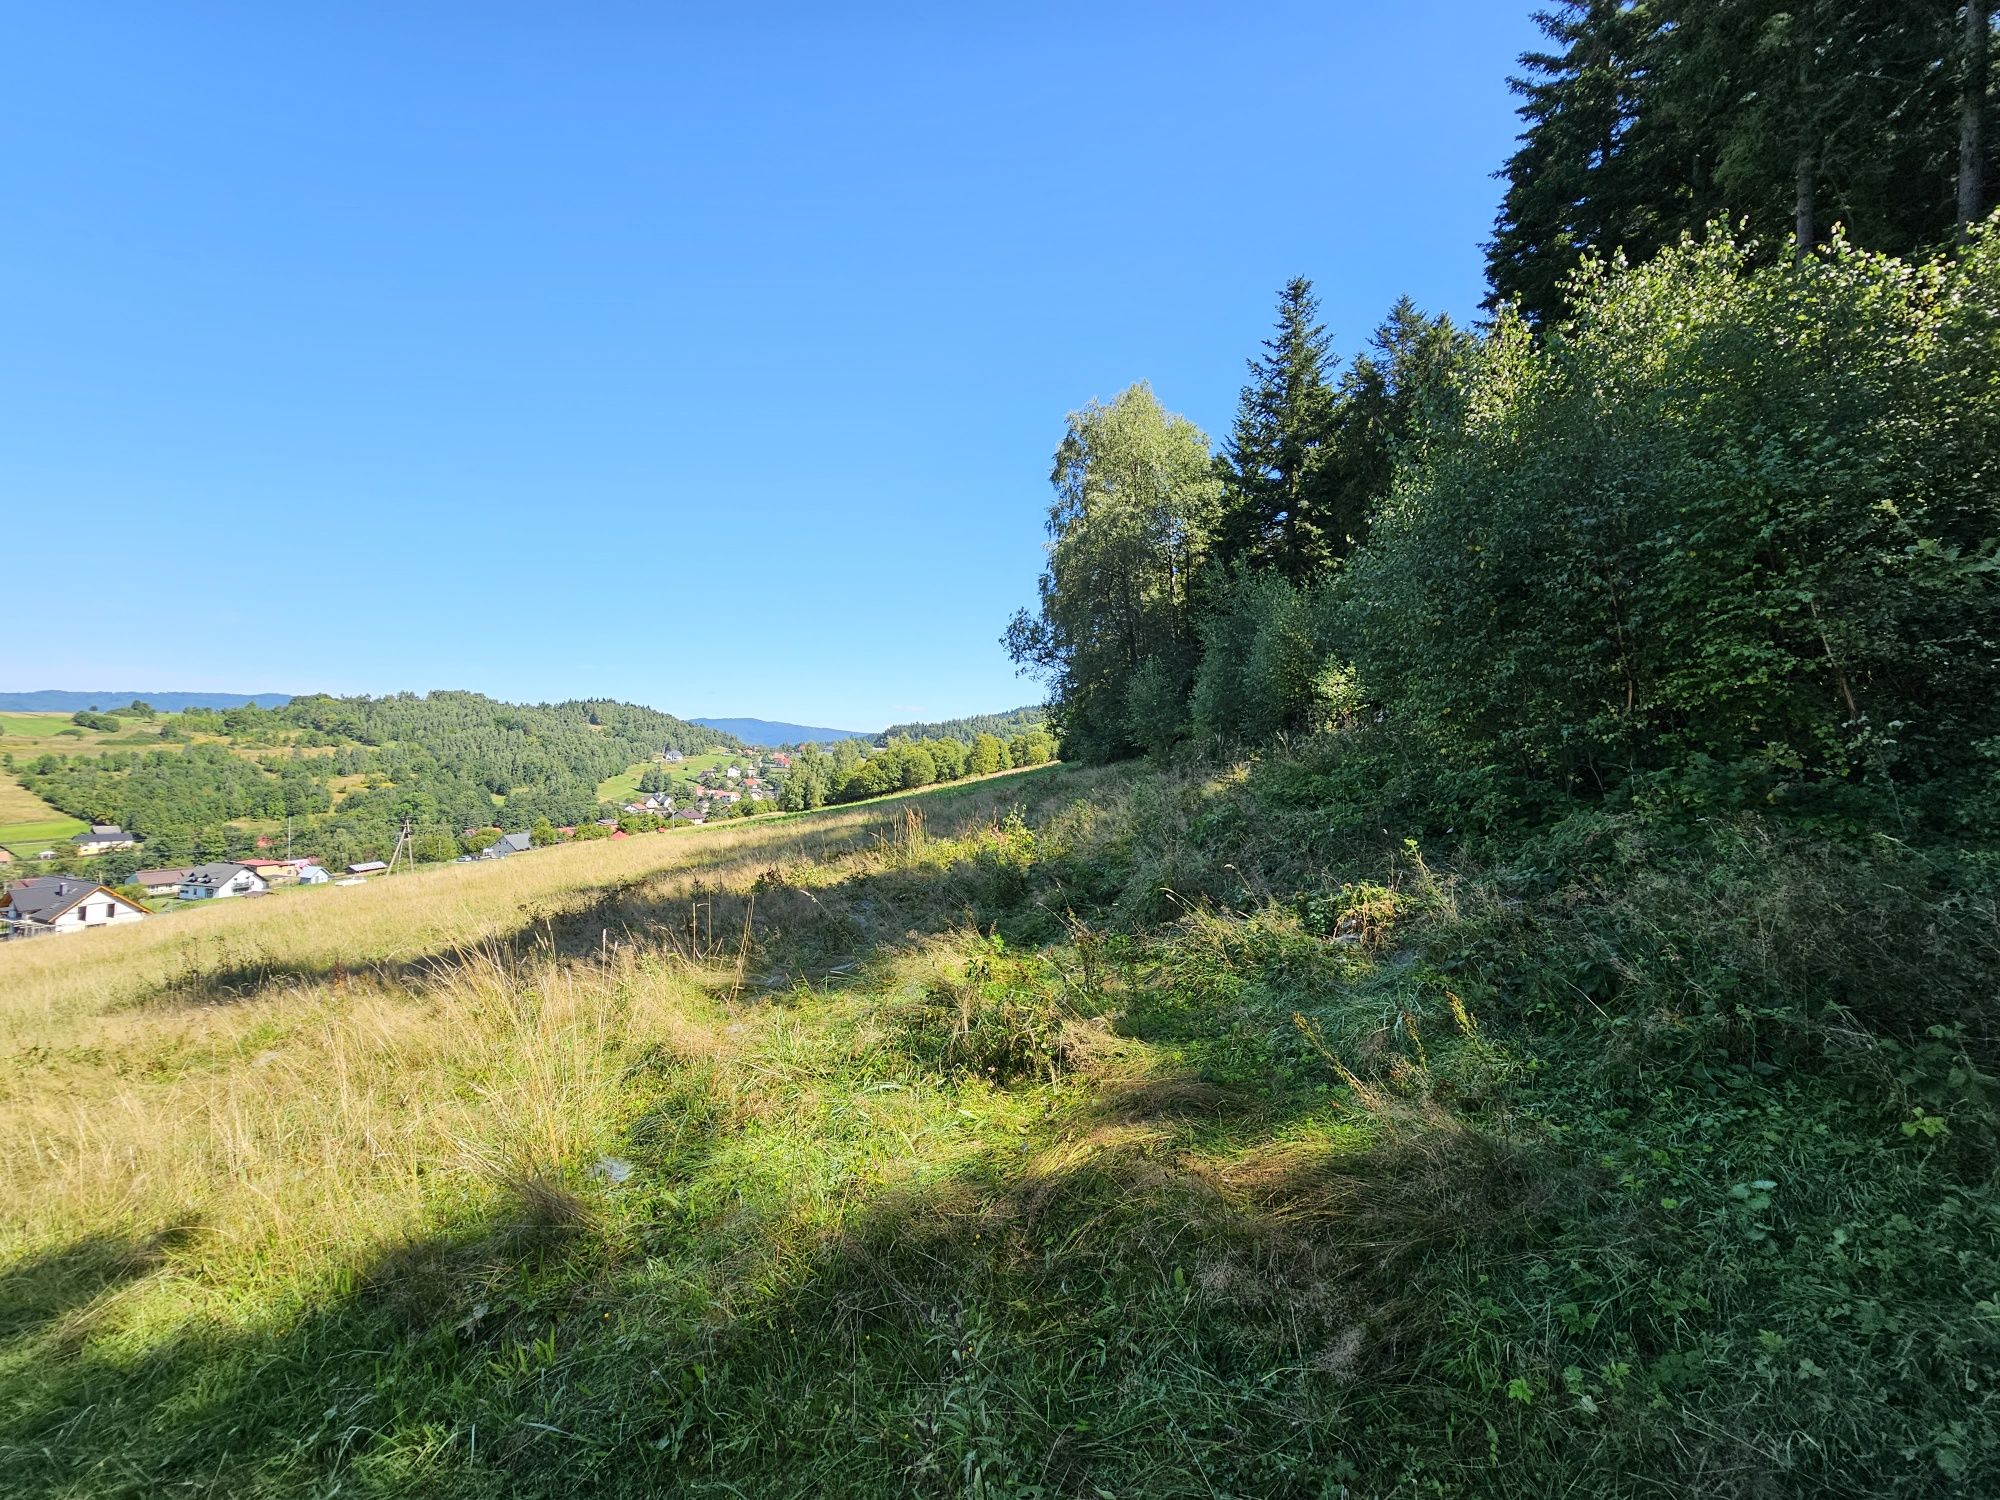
[(1972, 118), (1803, 235)]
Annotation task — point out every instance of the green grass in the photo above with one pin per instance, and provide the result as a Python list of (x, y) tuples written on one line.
[(1072, 1133), (27, 735), (25, 840), (33, 726), (625, 786)]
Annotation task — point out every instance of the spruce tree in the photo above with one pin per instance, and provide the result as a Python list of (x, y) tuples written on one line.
[(1276, 502), (1388, 400), (1599, 168), (1647, 119)]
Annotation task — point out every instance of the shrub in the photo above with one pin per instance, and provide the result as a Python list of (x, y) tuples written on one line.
[(1731, 511)]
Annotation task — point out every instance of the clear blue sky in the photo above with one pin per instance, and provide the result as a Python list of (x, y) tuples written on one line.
[(710, 357)]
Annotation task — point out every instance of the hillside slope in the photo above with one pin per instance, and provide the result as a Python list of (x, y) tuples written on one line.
[(1082, 1131)]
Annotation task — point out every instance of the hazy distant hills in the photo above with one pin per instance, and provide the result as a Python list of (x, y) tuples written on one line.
[(770, 732), (60, 701)]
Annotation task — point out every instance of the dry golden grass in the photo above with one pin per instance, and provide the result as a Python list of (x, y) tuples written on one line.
[(281, 1080), (19, 805)]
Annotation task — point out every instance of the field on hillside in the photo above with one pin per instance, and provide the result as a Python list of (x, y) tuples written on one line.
[(625, 786), (1072, 1132), (39, 734), (27, 823)]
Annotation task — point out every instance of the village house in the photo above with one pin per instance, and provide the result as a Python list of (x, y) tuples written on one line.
[(367, 867), (506, 844), (54, 904), (275, 871), (673, 757), (161, 882), (103, 838), (221, 878), (313, 875)]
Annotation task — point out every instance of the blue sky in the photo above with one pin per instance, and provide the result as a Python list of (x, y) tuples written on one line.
[(707, 357)]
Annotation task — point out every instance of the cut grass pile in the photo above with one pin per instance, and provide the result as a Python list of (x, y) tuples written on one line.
[(1082, 1132)]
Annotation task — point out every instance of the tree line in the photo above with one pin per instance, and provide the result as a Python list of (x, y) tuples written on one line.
[(1712, 525), (848, 772), (1003, 725)]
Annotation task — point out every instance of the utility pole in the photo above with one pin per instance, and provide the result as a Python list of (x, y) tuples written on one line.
[(402, 850)]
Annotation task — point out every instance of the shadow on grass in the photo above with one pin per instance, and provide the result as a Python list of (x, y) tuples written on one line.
[(1087, 1310), (44, 1288), (696, 913)]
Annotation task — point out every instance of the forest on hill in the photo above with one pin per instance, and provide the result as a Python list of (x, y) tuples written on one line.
[(347, 772), (1004, 725)]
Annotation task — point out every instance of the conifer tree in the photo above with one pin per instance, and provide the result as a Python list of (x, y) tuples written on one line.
[(1647, 119), (1276, 504)]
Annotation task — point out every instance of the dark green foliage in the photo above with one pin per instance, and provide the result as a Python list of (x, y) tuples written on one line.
[(1141, 597), (1646, 121), (1003, 1022), (848, 774), (1278, 508), (1266, 665)]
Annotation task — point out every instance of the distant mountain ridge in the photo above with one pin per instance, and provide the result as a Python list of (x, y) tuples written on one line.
[(771, 732), (62, 701)]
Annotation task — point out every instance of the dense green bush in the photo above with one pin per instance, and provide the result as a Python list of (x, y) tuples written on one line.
[(1733, 516)]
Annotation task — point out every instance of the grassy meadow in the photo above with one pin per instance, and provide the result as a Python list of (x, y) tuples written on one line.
[(54, 734), (27, 823), (1073, 1132), (625, 786)]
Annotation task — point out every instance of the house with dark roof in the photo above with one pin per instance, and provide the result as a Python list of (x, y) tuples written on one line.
[(55, 904), (221, 878), (103, 838), (506, 844)]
